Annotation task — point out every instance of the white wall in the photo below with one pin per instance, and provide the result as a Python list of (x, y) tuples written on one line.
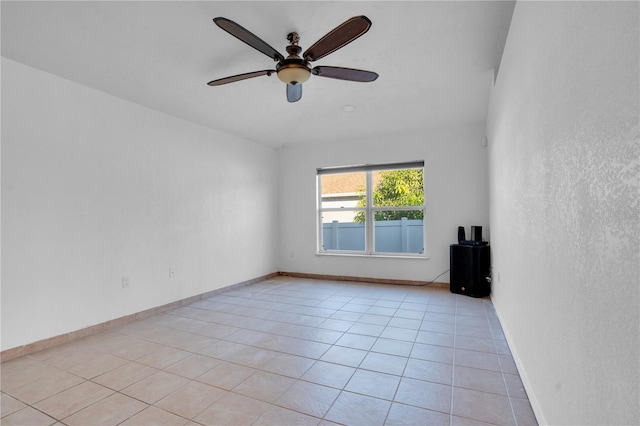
[(456, 192), (564, 165), (95, 188)]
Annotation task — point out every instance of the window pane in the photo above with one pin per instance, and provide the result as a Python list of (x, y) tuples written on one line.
[(403, 187), (343, 230), (396, 216), (401, 235), (343, 190)]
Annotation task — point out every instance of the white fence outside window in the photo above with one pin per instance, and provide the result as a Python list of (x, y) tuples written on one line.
[(391, 236)]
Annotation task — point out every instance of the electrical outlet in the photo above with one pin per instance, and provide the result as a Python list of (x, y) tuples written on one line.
[(125, 282), (172, 272)]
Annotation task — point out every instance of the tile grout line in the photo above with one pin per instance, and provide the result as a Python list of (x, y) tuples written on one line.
[(354, 373), (393, 399), (504, 381), (453, 361)]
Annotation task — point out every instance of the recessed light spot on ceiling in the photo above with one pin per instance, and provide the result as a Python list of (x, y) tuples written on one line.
[(349, 108)]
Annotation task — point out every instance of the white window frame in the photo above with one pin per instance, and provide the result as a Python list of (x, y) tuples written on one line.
[(369, 209)]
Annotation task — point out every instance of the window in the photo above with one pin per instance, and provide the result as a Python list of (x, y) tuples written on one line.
[(372, 209)]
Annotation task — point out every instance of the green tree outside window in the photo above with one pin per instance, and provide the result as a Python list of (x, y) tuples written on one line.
[(403, 187)]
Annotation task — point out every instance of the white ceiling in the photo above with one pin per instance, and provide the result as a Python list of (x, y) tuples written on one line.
[(435, 60)]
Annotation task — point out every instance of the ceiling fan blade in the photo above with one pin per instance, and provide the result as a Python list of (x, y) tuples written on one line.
[(248, 37), (344, 73), (294, 92), (239, 77), (339, 37)]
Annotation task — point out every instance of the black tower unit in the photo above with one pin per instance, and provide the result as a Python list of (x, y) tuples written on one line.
[(470, 273)]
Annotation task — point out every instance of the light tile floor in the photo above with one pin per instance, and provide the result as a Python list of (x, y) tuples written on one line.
[(283, 351)]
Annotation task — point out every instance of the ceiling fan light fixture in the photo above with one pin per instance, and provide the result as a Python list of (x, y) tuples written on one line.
[(294, 74)]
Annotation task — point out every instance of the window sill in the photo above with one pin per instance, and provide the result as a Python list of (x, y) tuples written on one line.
[(376, 256)]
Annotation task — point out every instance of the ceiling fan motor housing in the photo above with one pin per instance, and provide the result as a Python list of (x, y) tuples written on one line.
[(294, 69)]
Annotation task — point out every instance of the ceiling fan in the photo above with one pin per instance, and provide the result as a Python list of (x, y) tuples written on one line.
[(295, 70)]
